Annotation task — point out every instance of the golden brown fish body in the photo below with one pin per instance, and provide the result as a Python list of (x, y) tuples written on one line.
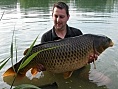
[(70, 53)]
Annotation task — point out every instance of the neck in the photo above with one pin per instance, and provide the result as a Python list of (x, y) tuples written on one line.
[(61, 32)]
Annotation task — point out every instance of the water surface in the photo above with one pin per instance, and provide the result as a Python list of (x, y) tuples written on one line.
[(30, 18)]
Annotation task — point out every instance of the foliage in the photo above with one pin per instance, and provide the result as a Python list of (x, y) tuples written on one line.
[(25, 62), (2, 15), (25, 86)]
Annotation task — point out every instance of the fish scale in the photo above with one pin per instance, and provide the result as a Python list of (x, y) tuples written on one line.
[(67, 64), (59, 55)]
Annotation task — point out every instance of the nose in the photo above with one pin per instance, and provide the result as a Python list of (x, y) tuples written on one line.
[(58, 19)]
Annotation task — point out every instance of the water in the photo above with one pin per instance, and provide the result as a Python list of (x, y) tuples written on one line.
[(30, 18)]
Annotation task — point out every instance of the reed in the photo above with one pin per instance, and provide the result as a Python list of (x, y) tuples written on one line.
[(23, 63), (2, 15), (26, 86)]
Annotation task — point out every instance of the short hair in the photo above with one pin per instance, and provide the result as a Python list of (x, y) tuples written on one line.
[(62, 5)]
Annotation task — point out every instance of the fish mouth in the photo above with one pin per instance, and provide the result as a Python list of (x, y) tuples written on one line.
[(111, 44), (98, 53)]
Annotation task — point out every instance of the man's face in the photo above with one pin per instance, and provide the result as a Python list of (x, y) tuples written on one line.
[(60, 18)]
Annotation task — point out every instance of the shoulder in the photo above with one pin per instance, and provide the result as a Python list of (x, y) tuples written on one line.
[(75, 31), (46, 35)]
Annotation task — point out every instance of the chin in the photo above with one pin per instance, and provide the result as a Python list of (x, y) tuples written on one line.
[(59, 28)]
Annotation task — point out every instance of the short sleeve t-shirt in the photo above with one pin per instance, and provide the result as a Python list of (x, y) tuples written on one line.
[(51, 35)]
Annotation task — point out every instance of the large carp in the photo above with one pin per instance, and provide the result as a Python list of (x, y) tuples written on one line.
[(70, 54)]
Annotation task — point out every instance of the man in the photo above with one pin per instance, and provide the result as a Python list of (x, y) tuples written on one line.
[(60, 29)]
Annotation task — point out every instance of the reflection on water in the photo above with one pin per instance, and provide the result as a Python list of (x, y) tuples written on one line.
[(79, 79), (95, 6), (30, 18)]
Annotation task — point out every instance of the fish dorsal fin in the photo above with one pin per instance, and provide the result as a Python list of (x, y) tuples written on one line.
[(25, 51), (67, 74)]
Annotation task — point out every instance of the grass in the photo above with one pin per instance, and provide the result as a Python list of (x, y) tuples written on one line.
[(25, 62), (25, 86), (2, 15)]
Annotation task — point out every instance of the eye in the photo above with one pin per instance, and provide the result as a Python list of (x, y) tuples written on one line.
[(56, 16), (61, 16)]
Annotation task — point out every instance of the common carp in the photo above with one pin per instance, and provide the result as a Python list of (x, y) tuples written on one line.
[(70, 54)]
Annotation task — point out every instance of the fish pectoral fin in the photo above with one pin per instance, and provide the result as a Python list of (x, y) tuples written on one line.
[(37, 69), (34, 71), (67, 74), (9, 72)]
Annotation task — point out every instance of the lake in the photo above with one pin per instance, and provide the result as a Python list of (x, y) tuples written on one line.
[(30, 18)]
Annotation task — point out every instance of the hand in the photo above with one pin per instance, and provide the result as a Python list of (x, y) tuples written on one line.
[(40, 67), (92, 58)]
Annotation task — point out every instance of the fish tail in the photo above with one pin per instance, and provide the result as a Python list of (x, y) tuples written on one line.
[(13, 70), (9, 72)]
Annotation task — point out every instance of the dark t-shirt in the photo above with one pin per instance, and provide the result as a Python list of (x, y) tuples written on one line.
[(51, 35)]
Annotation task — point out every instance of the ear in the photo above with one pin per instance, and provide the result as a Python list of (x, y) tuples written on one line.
[(52, 14), (68, 17)]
